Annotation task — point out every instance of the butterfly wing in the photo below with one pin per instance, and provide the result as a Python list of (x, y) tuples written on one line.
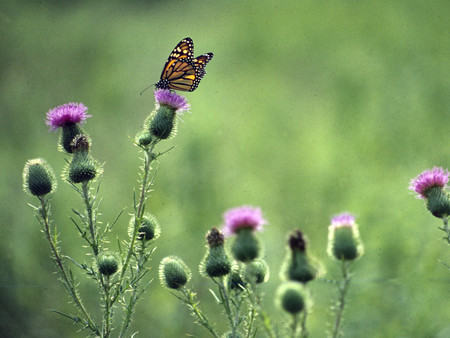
[(199, 65), (181, 72)]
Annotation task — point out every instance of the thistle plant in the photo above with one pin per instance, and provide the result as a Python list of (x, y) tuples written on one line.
[(431, 186), (121, 272), (344, 246), (233, 261)]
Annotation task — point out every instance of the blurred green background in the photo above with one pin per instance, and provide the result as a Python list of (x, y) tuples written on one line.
[(309, 108)]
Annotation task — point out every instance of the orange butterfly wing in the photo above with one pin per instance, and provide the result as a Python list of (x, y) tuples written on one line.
[(181, 72)]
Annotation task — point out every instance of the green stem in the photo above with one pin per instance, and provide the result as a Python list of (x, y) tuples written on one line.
[(105, 285), (58, 261), (134, 296), (226, 304), (256, 299), (108, 306), (294, 325), (303, 331), (148, 159), (342, 289), (91, 222), (202, 319), (446, 229)]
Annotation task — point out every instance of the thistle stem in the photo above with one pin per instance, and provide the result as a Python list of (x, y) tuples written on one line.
[(91, 222), (303, 331), (59, 263), (140, 271), (226, 303), (294, 325), (148, 159), (342, 289), (108, 306), (446, 228), (193, 305), (256, 299)]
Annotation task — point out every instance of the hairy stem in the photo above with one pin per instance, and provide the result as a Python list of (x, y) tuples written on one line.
[(303, 331), (59, 263), (108, 306), (193, 305), (342, 289), (148, 159), (446, 229), (256, 299), (90, 215)]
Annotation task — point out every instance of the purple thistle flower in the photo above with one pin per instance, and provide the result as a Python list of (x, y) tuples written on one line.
[(242, 217), (66, 114), (343, 220), (436, 177), (171, 99)]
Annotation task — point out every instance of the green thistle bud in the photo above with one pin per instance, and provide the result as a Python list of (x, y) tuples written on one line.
[(149, 228), (162, 125), (144, 138), (108, 264), (344, 242), (297, 266), (438, 202), (38, 178), (246, 246), (235, 281), (291, 297), (256, 271), (215, 263), (83, 167), (80, 143), (69, 132), (173, 273)]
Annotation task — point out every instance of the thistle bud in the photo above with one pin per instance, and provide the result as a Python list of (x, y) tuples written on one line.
[(430, 185), (149, 228), (297, 265), (256, 271), (38, 178), (291, 297), (344, 242), (69, 117), (108, 264), (69, 132), (438, 202), (246, 246), (173, 273), (215, 263), (144, 138), (235, 281), (169, 104), (244, 221), (83, 167)]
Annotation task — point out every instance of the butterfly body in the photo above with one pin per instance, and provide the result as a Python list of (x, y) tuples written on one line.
[(182, 71)]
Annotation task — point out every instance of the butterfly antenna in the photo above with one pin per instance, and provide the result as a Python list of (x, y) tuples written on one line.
[(146, 89)]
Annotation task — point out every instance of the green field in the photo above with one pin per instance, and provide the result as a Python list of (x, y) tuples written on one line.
[(309, 108)]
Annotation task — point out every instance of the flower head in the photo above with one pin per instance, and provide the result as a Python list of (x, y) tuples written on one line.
[(243, 217), (66, 114), (171, 99), (298, 265), (292, 297), (344, 242), (343, 220), (38, 178), (174, 273), (436, 177)]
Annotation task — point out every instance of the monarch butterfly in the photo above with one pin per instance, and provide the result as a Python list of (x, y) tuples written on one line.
[(181, 71)]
